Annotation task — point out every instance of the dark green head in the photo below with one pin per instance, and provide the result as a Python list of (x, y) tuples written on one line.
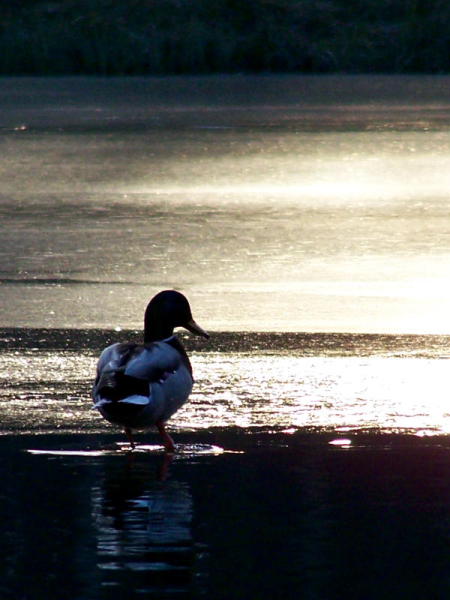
[(165, 311)]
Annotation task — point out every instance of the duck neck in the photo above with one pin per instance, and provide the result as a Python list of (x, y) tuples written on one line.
[(155, 331)]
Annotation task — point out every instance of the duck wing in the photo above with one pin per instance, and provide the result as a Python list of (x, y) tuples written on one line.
[(128, 369), (152, 361)]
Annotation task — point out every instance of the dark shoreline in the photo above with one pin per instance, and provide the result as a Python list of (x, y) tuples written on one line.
[(170, 37)]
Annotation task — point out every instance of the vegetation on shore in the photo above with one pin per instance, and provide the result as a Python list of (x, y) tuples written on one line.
[(139, 37)]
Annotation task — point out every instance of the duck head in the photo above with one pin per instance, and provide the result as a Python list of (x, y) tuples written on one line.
[(164, 312)]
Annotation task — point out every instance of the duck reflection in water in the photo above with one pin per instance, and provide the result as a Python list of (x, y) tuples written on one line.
[(143, 530)]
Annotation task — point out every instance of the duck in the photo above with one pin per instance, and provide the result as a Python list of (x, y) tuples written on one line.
[(140, 386)]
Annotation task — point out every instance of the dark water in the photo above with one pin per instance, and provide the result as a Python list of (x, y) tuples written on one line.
[(279, 517)]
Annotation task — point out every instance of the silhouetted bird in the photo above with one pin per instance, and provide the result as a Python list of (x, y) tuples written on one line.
[(142, 385)]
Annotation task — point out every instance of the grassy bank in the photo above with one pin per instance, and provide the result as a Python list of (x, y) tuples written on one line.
[(206, 36)]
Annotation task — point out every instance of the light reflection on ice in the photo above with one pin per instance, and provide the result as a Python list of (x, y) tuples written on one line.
[(315, 231), (49, 391), (328, 392)]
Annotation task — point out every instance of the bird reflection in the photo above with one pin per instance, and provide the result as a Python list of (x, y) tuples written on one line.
[(143, 532)]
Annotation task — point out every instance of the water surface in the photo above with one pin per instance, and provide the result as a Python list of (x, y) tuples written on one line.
[(277, 204), (322, 382), (306, 219), (290, 517)]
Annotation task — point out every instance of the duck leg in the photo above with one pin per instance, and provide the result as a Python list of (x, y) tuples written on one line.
[(163, 472), (130, 437), (167, 440)]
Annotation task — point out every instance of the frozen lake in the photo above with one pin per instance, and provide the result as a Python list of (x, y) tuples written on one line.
[(276, 204)]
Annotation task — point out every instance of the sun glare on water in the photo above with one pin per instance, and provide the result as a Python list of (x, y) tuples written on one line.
[(45, 392)]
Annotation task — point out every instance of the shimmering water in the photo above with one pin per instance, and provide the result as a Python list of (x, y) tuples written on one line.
[(295, 382)]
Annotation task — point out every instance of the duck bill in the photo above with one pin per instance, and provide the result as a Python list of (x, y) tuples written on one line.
[(194, 328)]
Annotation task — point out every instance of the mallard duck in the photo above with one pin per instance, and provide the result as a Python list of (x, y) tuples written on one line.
[(139, 386)]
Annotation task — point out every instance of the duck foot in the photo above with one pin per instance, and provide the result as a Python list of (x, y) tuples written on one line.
[(130, 437), (168, 442)]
